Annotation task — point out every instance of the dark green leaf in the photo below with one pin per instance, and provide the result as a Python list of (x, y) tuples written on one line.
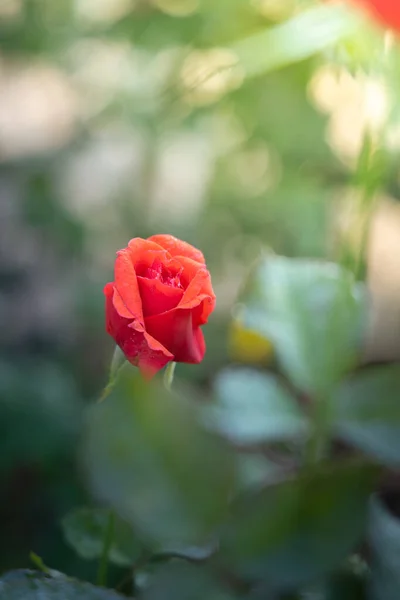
[(346, 586), (85, 528), (255, 470), (193, 553), (367, 409), (253, 407), (147, 455), (40, 412), (184, 582), (313, 313), (347, 583), (32, 585), (384, 541), (342, 585), (292, 533)]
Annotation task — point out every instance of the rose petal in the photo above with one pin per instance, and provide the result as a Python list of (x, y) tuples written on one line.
[(151, 354), (198, 292), (198, 334), (174, 329), (145, 251), (144, 254), (387, 12), (203, 311), (158, 297), (127, 285), (139, 247), (115, 321), (177, 247), (189, 270), (199, 288), (139, 347)]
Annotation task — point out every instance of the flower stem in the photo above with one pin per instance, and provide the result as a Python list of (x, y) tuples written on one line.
[(107, 542), (169, 375), (318, 442)]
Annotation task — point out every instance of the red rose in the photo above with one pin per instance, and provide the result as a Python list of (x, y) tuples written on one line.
[(387, 12), (160, 297)]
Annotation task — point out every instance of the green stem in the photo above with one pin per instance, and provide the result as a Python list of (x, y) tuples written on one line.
[(367, 209), (169, 375), (367, 181), (107, 542), (318, 442)]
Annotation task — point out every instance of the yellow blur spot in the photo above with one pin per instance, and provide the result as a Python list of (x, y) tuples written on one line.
[(248, 346)]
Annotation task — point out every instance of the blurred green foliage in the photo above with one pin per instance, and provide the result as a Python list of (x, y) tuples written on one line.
[(237, 125)]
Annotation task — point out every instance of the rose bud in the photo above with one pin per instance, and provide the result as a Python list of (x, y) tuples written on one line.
[(160, 297)]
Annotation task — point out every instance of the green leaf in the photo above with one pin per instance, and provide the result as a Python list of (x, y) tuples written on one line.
[(84, 529), (191, 553), (292, 533), (362, 51), (384, 542), (32, 585), (255, 470), (118, 360), (346, 586), (313, 312), (181, 581), (367, 412), (302, 36), (40, 413), (147, 455), (347, 583), (253, 407)]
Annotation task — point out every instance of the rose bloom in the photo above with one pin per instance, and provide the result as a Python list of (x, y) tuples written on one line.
[(160, 297), (387, 12)]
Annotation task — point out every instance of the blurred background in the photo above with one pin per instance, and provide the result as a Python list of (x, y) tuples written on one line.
[(237, 125)]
